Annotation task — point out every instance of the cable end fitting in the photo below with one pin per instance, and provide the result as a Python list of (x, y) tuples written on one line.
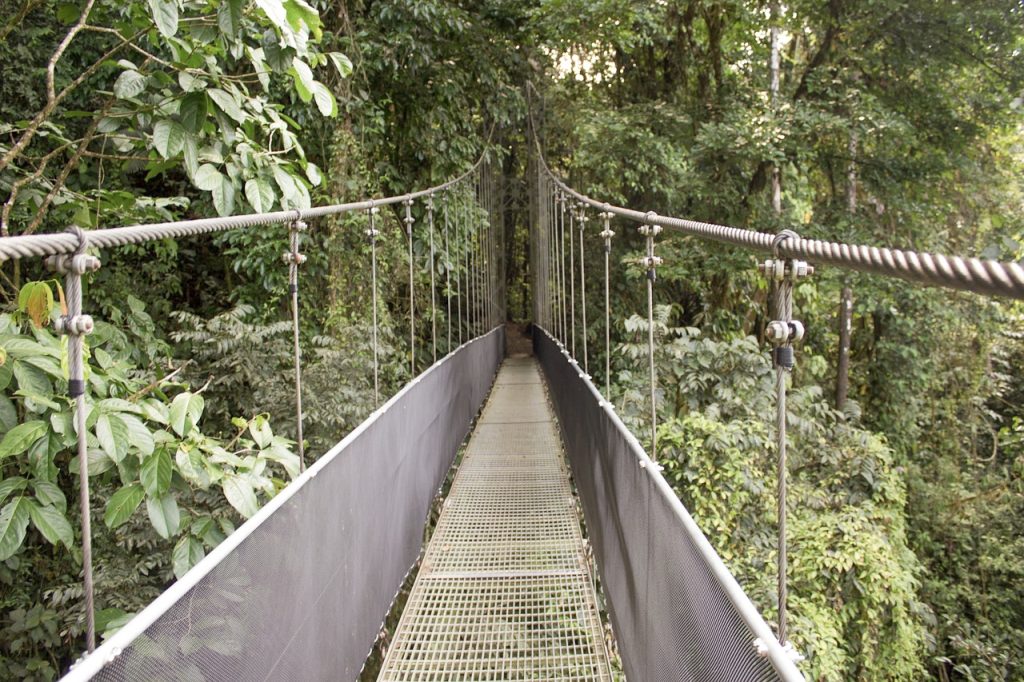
[(73, 264), (76, 325)]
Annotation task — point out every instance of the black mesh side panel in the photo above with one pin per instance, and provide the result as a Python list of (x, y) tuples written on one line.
[(672, 618), (304, 595)]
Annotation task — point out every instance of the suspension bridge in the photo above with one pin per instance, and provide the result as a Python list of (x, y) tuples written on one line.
[(508, 587)]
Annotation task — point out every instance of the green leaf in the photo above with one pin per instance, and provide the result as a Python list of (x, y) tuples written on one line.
[(274, 10), (193, 111), (165, 15), (179, 413), (229, 17), (32, 381), (303, 77), (261, 431), (139, 434), (13, 524), (8, 413), (191, 155), (187, 553), (12, 485), (342, 63), (207, 177), (168, 138), (129, 84), (123, 504), (20, 437), (259, 194), (52, 524), (325, 101), (300, 15), (226, 103), (156, 473), (240, 495), (36, 300), (164, 515), (49, 494), (112, 433), (224, 197), (110, 620)]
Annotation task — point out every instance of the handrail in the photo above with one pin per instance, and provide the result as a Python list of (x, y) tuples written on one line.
[(981, 276), (26, 246)]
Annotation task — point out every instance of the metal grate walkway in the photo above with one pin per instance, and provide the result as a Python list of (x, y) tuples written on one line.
[(504, 592)]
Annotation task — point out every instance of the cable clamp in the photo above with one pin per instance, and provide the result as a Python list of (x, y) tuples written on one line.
[(780, 269), (787, 648), (73, 325), (780, 332), (293, 258), (372, 233), (298, 225), (651, 262), (73, 264)]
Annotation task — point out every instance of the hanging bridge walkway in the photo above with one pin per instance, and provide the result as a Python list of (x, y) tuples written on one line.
[(504, 589)]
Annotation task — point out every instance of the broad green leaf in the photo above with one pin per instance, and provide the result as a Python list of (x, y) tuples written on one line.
[(13, 524), (178, 416), (139, 434), (325, 101), (224, 197), (190, 465), (112, 433), (193, 111), (165, 15), (261, 431), (31, 380), (123, 504), (274, 9), (187, 553), (168, 138), (189, 82), (52, 524), (109, 620), (240, 495), (18, 439), (155, 473), (283, 456), (313, 174), (190, 153), (301, 15), (207, 178), (129, 84), (229, 17), (12, 485), (36, 300), (49, 494), (342, 63), (22, 348), (164, 515), (259, 194), (260, 66), (303, 77), (226, 103)]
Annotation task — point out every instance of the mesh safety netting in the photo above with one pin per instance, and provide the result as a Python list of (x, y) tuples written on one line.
[(676, 612), (300, 591)]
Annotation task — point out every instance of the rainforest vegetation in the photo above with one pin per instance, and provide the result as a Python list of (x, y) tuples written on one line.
[(895, 122)]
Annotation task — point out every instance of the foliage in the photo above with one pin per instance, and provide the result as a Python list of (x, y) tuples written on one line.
[(853, 579), (144, 446)]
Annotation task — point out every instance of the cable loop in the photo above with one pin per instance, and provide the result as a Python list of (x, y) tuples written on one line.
[(778, 239)]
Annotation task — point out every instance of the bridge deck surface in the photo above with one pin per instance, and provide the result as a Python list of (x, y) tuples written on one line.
[(504, 591)]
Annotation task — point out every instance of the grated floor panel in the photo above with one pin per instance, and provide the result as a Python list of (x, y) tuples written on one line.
[(504, 591)]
